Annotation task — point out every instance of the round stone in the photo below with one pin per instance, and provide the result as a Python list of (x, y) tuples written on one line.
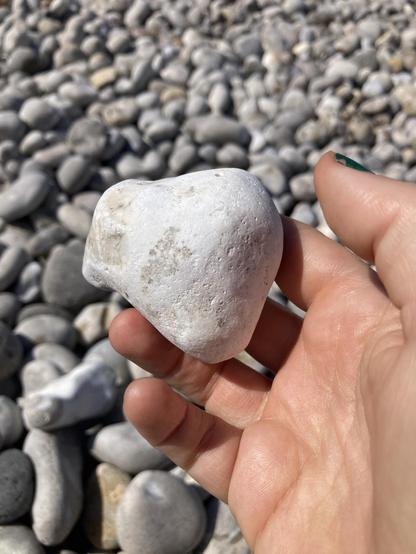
[(159, 514), (134, 453), (47, 328), (18, 539), (16, 485), (24, 195), (39, 114), (74, 174), (62, 281)]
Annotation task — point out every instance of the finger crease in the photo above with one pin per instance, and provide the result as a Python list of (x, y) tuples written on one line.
[(175, 429)]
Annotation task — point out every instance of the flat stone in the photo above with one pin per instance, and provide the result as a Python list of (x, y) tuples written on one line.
[(11, 423), (11, 352), (47, 328), (134, 454), (121, 112), (39, 114), (46, 238), (189, 280), (61, 356), (11, 127), (74, 174), (74, 219), (28, 284), (24, 195), (18, 539), (57, 460), (12, 261), (86, 392), (36, 374), (63, 283), (217, 129), (16, 485), (159, 514), (105, 490)]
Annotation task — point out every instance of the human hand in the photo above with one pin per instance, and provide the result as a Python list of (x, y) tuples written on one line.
[(321, 459)]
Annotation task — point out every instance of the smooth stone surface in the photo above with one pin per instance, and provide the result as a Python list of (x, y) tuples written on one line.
[(217, 129), (86, 392), (47, 328), (18, 539), (16, 485), (57, 461), (225, 534), (12, 260), (28, 285), (104, 351), (63, 283), (159, 514), (24, 195), (133, 454), (93, 321), (9, 307), (195, 254), (59, 355), (11, 352), (104, 492), (74, 174), (39, 114), (11, 423), (36, 374)]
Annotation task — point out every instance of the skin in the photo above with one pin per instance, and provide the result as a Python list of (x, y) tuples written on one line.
[(321, 459)]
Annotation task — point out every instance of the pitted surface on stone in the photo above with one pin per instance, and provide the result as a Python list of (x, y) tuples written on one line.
[(195, 254)]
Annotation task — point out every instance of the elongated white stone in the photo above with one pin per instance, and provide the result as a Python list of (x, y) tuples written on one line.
[(88, 391), (195, 254)]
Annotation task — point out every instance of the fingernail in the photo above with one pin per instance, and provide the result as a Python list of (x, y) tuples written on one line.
[(348, 162)]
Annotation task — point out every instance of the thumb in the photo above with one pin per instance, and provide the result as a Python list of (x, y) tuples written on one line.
[(375, 217)]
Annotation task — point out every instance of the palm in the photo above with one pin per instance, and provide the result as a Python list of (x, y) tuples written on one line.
[(315, 425)]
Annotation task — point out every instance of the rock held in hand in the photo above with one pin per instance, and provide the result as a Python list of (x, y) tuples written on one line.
[(195, 254)]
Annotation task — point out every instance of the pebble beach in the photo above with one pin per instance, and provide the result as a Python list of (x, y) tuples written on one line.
[(95, 92)]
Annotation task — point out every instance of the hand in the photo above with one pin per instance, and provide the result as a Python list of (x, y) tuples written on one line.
[(321, 459)]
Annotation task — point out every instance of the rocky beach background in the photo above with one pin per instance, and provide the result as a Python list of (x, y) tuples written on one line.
[(96, 91)]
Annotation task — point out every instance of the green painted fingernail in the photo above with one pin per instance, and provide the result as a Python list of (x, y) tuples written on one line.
[(348, 162)]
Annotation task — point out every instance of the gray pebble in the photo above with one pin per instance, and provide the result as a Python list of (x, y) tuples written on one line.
[(32, 142), (134, 454), (9, 306), (74, 219), (16, 485), (182, 158), (39, 114), (121, 112), (18, 539), (12, 261), (24, 196), (11, 352), (11, 423), (232, 155), (52, 156), (88, 137), (81, 93), (271, 176), (36, 374), (304, 213), (42, 242), (104, 351), (11, 127), (218, 130), (28, 285), (141, 74), (86, 200), (161, 129), (59, 355), (62, 280), (159, 514), (57, 460), (41, 308), (248, 45), (302, 187), (74, 174), (47, 328)]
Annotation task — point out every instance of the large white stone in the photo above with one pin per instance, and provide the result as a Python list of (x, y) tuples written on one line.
[(195, 254)]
